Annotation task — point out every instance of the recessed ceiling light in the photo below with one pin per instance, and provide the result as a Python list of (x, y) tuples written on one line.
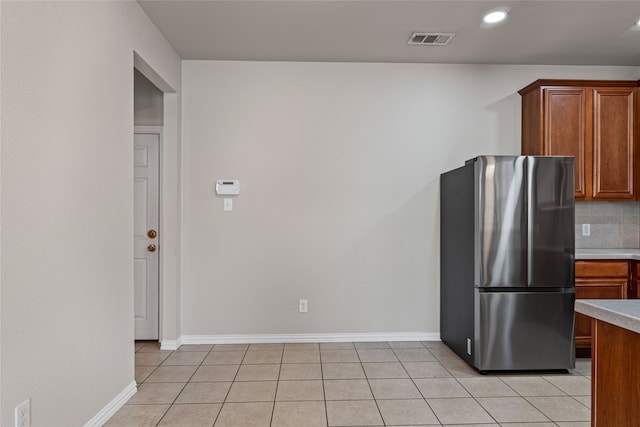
[(495, 16), (638, 23)]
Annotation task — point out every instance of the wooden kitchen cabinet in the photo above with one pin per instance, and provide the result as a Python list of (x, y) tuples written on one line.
[(594, 121), (597, 279)]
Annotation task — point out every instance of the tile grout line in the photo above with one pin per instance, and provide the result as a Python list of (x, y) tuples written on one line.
[(518, 395), (148, 376), (230, 385), (185, 384), (384, 423), (416, 385), (275, 395), (324, 392), (465, 389)]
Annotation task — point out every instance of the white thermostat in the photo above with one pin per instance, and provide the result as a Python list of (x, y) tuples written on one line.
[(228, 187)]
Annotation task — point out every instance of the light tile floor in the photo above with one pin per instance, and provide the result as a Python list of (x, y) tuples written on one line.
[(344, 384)]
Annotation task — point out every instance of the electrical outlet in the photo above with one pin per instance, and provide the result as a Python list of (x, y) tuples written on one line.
[(586, 230), (23, 414), (303, 306)]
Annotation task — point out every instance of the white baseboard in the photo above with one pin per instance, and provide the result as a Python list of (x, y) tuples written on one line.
[(171, 344), (112, 407), (300, 338)]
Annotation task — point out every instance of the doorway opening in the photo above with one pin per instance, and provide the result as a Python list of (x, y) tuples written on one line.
[(148, 107), (156, 237)]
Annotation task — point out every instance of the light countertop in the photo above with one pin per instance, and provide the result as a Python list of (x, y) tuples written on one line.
[(623, 313), (586, 254)]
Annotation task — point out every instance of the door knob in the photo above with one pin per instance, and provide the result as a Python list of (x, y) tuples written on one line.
[(152, 234), (151, 248)]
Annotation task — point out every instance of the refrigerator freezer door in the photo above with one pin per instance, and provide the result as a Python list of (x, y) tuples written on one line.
[(500, 222), (524, 330), (551, 219)]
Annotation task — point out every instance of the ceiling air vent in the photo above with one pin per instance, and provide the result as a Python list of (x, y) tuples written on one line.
[(431, 39)]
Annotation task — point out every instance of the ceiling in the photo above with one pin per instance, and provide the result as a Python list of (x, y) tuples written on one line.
[(545, 32)]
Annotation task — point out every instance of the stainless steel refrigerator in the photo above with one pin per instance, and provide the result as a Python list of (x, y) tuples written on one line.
[(507, 250)]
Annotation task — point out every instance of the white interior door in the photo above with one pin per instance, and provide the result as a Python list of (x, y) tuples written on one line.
[(146, 234)]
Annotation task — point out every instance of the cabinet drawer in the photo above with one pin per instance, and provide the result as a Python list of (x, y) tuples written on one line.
[(602, 269), (601, 289)]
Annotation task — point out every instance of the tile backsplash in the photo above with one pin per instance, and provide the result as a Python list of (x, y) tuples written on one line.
[(613, 225)]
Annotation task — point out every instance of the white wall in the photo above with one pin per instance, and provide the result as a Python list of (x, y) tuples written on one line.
[(67, 137), (339, 167)]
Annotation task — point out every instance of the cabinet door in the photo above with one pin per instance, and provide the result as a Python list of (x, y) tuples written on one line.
[(567, 130), (613, 151)]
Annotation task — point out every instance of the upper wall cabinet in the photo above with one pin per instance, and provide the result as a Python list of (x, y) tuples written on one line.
[(591, 120)]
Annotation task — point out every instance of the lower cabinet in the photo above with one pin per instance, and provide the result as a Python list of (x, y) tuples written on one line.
[(600, 279)]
